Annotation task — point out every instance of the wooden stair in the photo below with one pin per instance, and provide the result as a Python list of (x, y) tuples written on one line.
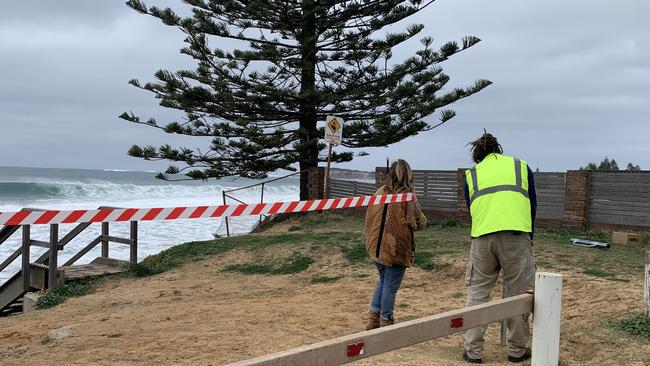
[(11, 292)]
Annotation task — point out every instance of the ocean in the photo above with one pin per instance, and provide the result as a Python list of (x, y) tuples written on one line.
[(66, 189)]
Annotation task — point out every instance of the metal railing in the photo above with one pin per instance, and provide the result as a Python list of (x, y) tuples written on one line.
[(226, 194)]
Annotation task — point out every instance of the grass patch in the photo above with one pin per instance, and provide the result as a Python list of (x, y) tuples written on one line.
[(325, 279), (645, 239), (249, 268), (296, 263), (63, 292), (423, 260), (356, 253), (637, 326), (294, 228), (596, 272)]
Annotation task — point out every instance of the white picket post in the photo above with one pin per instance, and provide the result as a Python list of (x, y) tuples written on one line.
[(546, 323)]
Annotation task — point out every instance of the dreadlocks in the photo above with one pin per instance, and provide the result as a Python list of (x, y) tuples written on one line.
[(484, 146)]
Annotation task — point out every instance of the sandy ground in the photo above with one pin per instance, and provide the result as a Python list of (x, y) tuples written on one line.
[(200, 315)]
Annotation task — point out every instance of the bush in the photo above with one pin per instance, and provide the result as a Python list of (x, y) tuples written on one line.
[(63, 292), (637, 326)]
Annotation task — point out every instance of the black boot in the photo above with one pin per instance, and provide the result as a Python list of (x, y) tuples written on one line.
[(471, 360), (526, 356)]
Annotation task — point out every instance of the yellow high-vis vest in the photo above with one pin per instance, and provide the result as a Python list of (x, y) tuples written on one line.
[(498, 195)]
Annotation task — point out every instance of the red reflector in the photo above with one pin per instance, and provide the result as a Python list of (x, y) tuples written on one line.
[(457, 322), (355, 350)]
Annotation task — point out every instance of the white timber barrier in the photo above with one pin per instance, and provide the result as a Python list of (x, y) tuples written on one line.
[(546, 320), (646, 291), (545, 303)]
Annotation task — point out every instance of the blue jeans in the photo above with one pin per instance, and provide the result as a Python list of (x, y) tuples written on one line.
[(390, 279)]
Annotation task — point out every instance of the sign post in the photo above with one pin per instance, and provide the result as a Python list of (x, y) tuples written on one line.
[(333, 136)]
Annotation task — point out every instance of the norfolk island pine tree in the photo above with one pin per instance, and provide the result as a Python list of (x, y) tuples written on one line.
[(300, 61)]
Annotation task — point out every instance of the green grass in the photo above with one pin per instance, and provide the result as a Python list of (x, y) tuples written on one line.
[(437, 247), (424, 261), (63, 292), (296, 263), (356, 253), (637, 326), (325, 279)]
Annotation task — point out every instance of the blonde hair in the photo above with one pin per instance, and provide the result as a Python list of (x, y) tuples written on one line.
[(400, 177)]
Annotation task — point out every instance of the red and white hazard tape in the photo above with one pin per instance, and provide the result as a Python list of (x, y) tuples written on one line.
[(197, 212)]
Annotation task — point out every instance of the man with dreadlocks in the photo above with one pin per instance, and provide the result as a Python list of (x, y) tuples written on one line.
[(500, 194)]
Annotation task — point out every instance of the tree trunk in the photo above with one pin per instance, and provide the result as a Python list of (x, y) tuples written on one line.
[(308, 147)]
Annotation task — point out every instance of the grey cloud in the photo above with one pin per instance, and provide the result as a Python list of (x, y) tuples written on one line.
[(571, 82)]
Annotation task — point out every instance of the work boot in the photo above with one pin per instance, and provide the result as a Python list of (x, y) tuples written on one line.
[(526, 356), (471, 360), (373, 321), (385, 323)]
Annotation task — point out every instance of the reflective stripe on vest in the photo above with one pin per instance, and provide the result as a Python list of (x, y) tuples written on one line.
[(518, 187)]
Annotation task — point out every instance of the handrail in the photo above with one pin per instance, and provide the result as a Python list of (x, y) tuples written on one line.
[(11, 258), (225, 194), (233, 198), (269, 181), (7, 231)]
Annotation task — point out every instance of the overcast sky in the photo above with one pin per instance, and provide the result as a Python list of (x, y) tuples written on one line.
[(571, 83)]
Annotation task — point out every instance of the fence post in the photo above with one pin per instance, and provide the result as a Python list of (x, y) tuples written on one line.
[(134, 242), (27, 270), (546, 324), (105, 242), (647, 284), (225, 218), (576, 199), (54, 254)]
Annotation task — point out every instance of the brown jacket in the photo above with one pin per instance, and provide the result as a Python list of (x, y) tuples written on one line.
[(397, 246)]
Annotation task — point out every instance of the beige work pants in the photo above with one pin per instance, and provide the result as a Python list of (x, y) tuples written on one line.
[(512, 253)]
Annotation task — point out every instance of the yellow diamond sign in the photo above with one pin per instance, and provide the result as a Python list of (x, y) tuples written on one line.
[(334, 125), (333, 130)]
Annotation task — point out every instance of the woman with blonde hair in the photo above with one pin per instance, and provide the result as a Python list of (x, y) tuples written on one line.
[(390, 243)]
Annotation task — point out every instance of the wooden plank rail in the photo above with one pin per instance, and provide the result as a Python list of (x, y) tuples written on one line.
[(366, 344), (351, 348), (115, 239)]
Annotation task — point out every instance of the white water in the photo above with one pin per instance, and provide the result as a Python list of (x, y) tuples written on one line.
[(78, 189)]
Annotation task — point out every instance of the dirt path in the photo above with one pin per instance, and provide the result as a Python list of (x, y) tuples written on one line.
[(199, 315)]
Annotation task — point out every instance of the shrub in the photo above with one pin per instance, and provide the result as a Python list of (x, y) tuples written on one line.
[(63, 292)]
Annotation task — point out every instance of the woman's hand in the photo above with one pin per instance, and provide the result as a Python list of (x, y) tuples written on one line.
[(421, 222)]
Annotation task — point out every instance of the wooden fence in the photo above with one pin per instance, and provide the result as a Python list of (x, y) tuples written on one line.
[(619, 198), (437, 190), (580, 199), (350, 188), (550, 195)]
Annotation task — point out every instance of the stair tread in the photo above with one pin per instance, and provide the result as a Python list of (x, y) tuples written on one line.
[(78, 272)]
